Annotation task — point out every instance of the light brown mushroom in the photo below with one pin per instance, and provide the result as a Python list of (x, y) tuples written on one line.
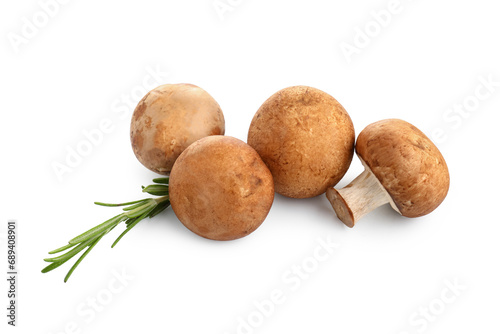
[(402, 167), (306, 138), (220, 188), (170, 118)]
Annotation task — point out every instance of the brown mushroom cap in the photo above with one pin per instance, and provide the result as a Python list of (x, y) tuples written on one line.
[(220, 188), (170, 118), (306, 138), (407, 164)]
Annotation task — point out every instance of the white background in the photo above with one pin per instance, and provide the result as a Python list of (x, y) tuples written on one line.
[(81, 65)]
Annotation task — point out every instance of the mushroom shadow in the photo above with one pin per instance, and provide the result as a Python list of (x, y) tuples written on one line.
[(318, 206)]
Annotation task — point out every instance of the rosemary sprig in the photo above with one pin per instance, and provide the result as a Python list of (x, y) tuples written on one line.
[(134, 212)]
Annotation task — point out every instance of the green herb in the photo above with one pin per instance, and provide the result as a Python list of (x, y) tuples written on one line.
[(134, 212)]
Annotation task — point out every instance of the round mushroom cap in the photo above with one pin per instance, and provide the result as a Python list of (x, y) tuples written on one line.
[(170, 118), (306, 138), (220, 188), (407, 164)]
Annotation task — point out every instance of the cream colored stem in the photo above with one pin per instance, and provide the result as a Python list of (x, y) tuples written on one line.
[(362, 195)]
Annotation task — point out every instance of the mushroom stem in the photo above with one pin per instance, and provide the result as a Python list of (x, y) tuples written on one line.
[(362, 195)]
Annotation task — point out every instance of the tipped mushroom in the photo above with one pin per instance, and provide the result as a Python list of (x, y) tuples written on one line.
[(402, 167)]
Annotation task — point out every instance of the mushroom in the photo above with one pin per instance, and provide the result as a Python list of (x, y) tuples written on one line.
[(402, 167), (170, 118), (220, 188), (306, 138)]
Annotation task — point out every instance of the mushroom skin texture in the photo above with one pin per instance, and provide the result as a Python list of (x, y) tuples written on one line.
[(220, 188), (402, 167), (306, 138), (168, 119)]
